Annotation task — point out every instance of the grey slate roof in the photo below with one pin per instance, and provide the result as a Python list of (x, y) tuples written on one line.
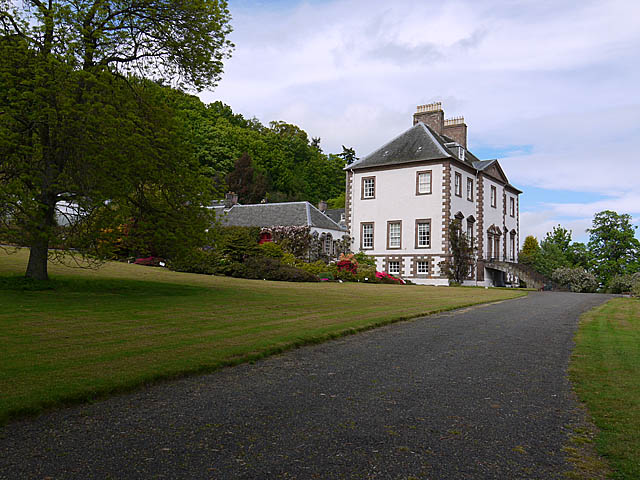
[(416, 144), (419, 143), (335, 214), (275, 214)]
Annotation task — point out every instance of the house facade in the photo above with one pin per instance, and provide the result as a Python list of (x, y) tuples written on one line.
[(400, 200)]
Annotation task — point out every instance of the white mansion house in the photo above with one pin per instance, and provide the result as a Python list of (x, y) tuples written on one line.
[(400, 200)]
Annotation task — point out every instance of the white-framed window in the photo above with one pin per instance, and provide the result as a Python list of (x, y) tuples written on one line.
[(494, 196), (394, 232), (369, 187), (422, 267), (367, 235), (513, 248), (512, 206), (423, 233), (393, 267), (458, 184), (470, 189), (470, 233), (423, 183)]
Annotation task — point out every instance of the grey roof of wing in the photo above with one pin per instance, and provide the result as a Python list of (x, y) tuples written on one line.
[(413, 145), (335, 214), (320, 220), (272, 214)]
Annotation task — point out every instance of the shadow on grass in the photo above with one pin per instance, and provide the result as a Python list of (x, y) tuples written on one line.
[(105, 286)]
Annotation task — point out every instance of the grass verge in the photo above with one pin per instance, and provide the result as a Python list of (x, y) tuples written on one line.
[(88, 333), (605, 371)]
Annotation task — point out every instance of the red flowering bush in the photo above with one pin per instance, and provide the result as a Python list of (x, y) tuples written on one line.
[(347, 263), (384, 277)]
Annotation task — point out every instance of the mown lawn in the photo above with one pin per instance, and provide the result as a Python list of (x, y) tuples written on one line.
[(88, 333), (605, 369)]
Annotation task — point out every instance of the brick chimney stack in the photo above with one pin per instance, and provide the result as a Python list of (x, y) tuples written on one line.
[(230, 199), (431, 115), (456, 130)]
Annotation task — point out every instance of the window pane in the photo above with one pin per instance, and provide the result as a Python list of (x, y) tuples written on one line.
[(424, 234), (424, 182), (394, 267), (394, 235), (369, 187), (423, 267), (367, 236)]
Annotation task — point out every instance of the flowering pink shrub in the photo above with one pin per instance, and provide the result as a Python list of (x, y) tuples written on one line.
[(386, 278)]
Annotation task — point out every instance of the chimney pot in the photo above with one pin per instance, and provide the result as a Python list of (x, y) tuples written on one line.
[(322, 206)]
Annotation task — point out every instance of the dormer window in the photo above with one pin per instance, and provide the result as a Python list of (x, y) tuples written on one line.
[(461, 153)]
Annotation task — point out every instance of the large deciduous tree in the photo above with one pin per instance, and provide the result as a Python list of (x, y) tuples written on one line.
[(81, 138), (613, 246)]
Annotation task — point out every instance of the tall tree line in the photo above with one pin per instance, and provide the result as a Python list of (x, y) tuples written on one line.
[(278, 162)]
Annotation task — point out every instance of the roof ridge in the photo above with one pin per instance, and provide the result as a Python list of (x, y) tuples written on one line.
[(266, 204)]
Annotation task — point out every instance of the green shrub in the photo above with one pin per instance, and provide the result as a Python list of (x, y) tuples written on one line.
[(327, 275), (313, 268), (271, 250), (196, 261), (575, 279), (345, 276), (623, 283), (289, 259), (236, 243), (366, 273), (364, 259), (272, 269)]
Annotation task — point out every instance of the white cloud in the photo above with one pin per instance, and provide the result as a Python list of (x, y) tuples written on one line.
[(559, 77)]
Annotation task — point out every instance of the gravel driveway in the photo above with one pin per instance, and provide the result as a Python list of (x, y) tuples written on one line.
[(479, 393)]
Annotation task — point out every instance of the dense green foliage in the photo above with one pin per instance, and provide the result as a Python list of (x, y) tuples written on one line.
[(83, 139), (277, 162), (575, 279), (613, 246), (530, 251), (612, 254)]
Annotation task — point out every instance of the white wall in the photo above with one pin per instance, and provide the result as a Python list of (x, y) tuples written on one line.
[(396, 199)]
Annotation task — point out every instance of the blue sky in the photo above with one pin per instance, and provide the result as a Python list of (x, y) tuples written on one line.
[(550, 88)]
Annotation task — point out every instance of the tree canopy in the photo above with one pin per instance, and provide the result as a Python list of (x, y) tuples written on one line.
[(82, 137), (614, 248), (283, 157)]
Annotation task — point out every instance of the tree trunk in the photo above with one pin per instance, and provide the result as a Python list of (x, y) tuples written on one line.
[(37, 267), (39, 248)]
